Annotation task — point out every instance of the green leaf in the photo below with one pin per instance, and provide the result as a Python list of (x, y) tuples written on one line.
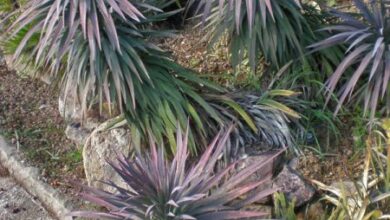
[(279, 106)]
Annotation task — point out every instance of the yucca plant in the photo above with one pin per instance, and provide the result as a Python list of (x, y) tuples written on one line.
[(272, 29), (160, 189), (101, 55), (268, 119), (298, 91), (99, 51), (366, 66)]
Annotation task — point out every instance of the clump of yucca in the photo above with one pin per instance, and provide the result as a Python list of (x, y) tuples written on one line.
[(162, 189)]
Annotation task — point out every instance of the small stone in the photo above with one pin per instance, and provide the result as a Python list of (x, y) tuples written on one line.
[(294, 163), (16, 210), (44, 172), (77, 133), (347, 187), (65, 168), (43, 107)]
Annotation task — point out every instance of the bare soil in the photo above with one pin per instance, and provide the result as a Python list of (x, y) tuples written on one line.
[(191, 49), (338, 167), (30, 120)]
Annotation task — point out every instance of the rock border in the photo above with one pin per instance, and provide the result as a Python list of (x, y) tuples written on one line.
[(28, 178)]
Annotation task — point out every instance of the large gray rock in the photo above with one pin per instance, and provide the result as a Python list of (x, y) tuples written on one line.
[(294, 186), (287, 181), (103, 146)]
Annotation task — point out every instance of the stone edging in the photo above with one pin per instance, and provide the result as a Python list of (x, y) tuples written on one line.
[(28, 178)]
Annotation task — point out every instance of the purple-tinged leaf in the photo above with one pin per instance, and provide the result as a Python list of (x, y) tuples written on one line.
[(386, 76), (228, 215), (378, 43), (378, 59), (334, 40), (355, 77), (332, 82), (248, 171), (269, 7), (358, 41), (250, 11), (186, 217), (255, 197), (374, 98)]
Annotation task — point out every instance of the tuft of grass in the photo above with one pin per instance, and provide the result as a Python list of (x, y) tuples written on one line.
[(359, 130), (75, 156), (283, 208)]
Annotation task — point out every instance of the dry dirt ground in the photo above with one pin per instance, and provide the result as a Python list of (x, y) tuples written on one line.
[(29, 119), (191, 49)]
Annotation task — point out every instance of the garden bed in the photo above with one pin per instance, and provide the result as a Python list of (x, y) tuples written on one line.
[(274, 96), (29, 118)]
